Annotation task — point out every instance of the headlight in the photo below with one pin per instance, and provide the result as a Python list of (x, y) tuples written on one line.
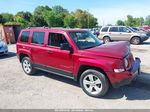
[(119, 70), (4, 45), (142, 34), (126, 62)]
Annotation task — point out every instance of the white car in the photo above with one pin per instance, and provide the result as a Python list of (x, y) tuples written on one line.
[(3, 48)]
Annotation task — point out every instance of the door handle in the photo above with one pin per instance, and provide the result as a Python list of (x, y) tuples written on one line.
[(50, 52)]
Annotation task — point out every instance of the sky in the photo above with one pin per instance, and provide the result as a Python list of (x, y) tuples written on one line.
[(106, 11)]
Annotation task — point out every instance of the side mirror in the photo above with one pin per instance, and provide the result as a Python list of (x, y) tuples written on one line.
[(128, 31), (66, 46)]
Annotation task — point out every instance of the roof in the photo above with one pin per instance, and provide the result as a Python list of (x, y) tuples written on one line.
[(53, 29)]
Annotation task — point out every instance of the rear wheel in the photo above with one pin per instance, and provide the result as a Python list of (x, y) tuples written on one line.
[(94, 83), (106, 40), (28, 66), (135, 40)]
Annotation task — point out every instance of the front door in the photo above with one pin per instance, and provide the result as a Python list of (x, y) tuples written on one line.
[(124, 34), (58, 60)]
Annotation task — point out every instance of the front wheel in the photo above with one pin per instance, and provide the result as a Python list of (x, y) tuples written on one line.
[(135, 40), (94, 83), (28, 66)]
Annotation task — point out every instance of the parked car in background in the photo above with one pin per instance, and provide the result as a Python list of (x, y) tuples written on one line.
[(77, 54), (95, 31), (140, 29), (3, 48), (122, 33), (146, 28)]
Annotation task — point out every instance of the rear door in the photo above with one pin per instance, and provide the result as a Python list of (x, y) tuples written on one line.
[(113, 33), (37, 47)]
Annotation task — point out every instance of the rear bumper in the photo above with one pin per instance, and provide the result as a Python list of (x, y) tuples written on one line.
[(130, 75)]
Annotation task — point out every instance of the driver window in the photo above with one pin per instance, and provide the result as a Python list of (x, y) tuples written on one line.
[(55, 39), (122, 29)]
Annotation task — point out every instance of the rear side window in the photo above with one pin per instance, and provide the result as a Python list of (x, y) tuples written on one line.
[(113, 29), (38, 38), (105, 29), (25, 36)]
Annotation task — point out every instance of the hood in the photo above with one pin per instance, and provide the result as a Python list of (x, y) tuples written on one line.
[(112, 49)]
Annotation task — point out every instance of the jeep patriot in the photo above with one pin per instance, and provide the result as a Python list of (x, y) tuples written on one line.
[(77, 54)]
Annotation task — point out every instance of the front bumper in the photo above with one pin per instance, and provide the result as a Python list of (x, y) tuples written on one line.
[(130, 75), (144, 38), (3, 52)]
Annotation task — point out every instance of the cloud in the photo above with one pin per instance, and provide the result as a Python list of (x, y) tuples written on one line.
[(111, 15)]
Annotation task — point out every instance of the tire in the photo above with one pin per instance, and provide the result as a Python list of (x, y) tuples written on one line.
[(27, 66), (106, 40), (91, 79), (135, 40)]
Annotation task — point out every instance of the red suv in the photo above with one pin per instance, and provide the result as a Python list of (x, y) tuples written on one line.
[(78, 55)]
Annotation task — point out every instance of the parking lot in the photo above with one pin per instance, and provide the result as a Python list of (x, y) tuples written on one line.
[(18, 90)]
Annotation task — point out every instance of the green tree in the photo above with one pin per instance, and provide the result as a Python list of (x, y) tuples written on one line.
[(23, 18), (38, 18), (58, 9), (25, 15), (85, 19), (109, 25), (120, 22), (147, 20), (7, 17), (41, 9), (92, 21), (22, 21), (139, 21), (1, 19), (53, 19), (70, 21), (130, 21)]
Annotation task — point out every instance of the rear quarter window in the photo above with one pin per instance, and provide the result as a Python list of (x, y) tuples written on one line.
[(105, 29), (24, 37)]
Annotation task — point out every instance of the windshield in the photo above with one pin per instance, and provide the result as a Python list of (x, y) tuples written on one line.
[(130, 28), (84, 40)]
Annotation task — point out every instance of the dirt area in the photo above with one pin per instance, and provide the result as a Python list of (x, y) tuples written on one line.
[(18, 90)]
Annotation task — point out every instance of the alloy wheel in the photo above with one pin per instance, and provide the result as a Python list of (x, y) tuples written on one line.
[(92, 84)]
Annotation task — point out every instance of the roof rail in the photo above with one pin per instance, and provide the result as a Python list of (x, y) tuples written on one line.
[(38, 27)]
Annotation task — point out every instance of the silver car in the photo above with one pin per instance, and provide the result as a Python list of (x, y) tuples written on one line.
[(122, 33), (3, 48)]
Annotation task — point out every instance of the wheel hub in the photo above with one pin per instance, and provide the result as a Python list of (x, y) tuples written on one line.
[(92, 84)]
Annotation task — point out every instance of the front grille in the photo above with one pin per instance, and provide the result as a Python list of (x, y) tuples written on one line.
[(1, 52)]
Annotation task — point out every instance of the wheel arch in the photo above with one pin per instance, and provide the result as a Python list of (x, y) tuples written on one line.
[(22, 55), (86, 67)]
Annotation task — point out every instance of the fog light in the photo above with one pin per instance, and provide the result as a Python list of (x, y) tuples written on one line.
[(119, 70)]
